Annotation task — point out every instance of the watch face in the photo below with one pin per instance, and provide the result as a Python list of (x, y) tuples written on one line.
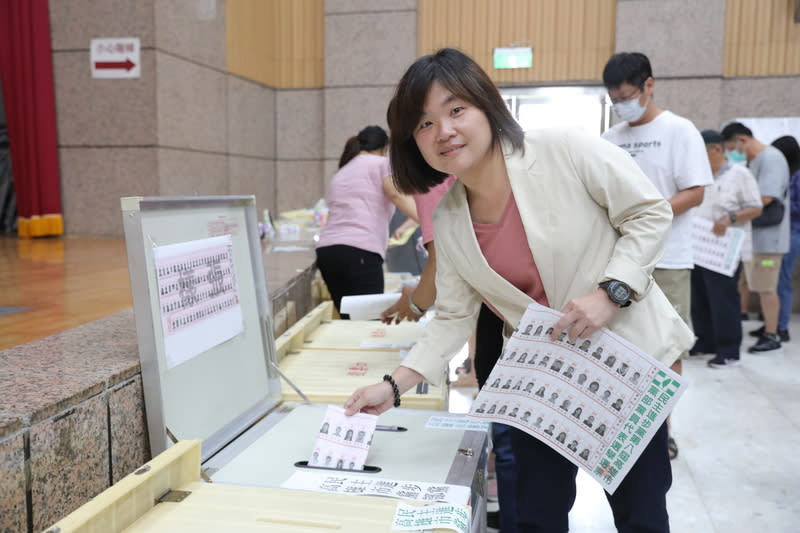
[(619, 292)]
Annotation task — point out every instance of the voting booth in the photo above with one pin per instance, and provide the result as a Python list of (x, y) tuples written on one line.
[(210, 373)]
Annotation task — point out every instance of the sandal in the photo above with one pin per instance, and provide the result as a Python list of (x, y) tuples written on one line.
[(672, 448)]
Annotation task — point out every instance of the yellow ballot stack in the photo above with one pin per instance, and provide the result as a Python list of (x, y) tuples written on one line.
[(327, 360), (318, 330), (327, 376)]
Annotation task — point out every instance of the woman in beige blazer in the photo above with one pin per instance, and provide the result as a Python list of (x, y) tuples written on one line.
[(589, 216)]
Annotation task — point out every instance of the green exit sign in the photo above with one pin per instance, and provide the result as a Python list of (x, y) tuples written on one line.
[(518, 57)]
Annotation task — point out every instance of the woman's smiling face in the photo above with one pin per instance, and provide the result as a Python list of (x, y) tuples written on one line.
[(453, 135)]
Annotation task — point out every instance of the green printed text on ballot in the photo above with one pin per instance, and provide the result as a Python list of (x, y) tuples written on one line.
[(662, 380), (653, 402)]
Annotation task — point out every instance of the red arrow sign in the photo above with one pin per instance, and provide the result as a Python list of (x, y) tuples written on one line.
[(127, 64)]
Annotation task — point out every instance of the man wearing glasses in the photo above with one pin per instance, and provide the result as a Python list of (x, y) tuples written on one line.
[(671, 152)]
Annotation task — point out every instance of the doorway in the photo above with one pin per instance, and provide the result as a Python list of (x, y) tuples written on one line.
[(586, 108)]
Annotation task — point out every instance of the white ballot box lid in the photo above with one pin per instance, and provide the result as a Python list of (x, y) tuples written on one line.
[(203, 317)]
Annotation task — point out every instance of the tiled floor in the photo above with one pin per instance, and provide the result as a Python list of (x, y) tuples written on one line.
[(738, 429)]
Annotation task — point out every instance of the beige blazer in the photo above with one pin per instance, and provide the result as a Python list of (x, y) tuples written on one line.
[(590, 214)]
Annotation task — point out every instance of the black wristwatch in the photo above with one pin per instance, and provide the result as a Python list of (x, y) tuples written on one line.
[(618, 292), (732, 216)]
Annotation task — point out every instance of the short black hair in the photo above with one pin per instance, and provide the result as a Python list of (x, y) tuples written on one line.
[(462, 76), (733, 130), (627, 67)]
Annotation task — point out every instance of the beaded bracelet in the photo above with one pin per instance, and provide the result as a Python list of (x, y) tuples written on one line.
[(396, 391)]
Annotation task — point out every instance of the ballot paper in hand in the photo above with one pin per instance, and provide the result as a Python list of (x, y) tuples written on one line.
[(403, 237), (343, 442), (714, 252), (367, 306), (598, 402)]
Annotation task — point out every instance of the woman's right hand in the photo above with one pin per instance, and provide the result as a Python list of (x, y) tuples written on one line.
[(373, 399)]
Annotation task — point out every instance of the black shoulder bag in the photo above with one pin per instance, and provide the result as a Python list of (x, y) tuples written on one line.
[(771, 214)]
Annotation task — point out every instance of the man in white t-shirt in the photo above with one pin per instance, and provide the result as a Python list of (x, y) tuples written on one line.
[(671, 152)]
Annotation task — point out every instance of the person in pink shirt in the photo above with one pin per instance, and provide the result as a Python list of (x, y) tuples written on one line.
[(415, 300), (361, 200)]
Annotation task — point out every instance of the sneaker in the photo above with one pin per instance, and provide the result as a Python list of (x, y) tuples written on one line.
[(722, 362), (782, 333), (769, 342)]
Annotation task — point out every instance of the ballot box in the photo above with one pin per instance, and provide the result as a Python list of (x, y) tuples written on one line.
[(400, 449), (326, 359), (167, 494), (210, 368)]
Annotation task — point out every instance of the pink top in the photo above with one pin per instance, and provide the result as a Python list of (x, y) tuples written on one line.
[(358, 210), (500, 244), (426, 205)]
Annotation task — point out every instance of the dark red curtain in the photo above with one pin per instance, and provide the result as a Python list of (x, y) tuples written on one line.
[(26, 69)]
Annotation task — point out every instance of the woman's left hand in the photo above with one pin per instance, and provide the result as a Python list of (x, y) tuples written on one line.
[(585, 315)]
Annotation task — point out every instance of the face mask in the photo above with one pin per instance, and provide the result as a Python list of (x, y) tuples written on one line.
[(630, 110), (735, 156)]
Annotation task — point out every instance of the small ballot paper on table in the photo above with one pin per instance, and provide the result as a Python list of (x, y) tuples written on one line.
[(343, 442), (597, 402)]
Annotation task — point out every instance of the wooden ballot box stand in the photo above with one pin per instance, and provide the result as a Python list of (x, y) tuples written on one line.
[(210, 373), (167, 494)]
